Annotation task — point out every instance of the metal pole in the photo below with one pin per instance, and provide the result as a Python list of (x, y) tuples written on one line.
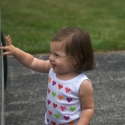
[(2, 103)]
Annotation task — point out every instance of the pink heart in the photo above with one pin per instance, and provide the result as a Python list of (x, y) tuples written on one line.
[(63, 108), (67, 90)]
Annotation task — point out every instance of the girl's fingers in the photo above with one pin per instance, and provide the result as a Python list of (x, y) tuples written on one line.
[(8, 41), (4, 48), (6, 53), (1, 47)]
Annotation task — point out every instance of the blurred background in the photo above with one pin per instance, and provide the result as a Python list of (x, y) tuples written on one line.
[(32, 24)]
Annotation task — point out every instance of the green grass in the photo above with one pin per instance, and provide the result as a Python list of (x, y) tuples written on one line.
[(31, 23)]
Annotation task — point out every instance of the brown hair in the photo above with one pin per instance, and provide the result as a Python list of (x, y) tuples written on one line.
[(78, 47)]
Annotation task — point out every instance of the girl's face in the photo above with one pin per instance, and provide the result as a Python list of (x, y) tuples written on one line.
[(58, 59)]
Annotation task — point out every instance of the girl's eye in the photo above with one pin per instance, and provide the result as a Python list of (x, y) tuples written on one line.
[(56, 55)]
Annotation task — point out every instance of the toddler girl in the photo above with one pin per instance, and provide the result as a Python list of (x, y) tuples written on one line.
[(70, 93)]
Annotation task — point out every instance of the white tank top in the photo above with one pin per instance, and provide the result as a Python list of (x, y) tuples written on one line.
[(63, 105)]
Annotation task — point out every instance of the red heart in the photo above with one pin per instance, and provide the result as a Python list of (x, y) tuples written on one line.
[(48, 90), (50, 112), (53, 123), (54, 105), (60, 86)]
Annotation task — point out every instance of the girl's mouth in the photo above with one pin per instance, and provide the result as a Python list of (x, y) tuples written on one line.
[(53, 65)]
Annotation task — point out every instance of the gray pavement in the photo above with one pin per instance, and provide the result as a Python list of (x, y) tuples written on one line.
[(26, 92)]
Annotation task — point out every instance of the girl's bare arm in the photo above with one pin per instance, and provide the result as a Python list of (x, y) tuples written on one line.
[(87, 103), (25, 58)]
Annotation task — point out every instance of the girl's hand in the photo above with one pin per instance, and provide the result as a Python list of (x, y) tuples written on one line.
[(10, 49)]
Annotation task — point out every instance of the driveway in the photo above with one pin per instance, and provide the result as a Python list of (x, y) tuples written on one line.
[(26, 92)]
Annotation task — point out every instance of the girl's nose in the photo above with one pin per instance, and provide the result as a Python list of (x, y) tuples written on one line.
[(51, 57)]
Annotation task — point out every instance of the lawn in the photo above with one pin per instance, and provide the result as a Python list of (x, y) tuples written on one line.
[(32, 24)]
